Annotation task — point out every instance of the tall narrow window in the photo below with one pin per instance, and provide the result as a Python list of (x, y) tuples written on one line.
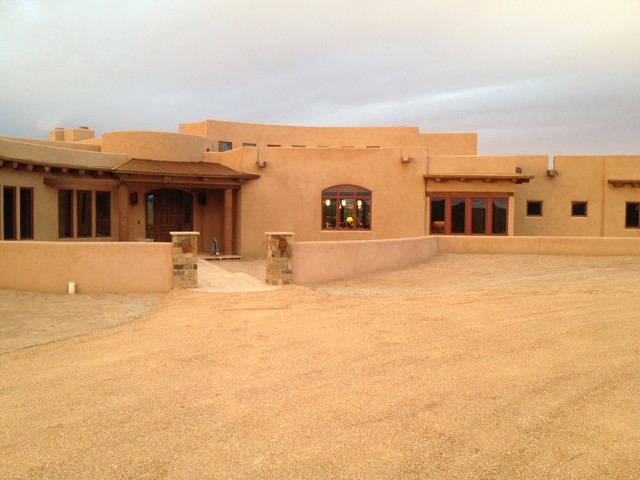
[(9, 212), (437, 215), (499, 216), (26, 213), (84, 213), (478, 216), (458, 215), (65, 213), (632, 217), (346, 207), (103, 214)]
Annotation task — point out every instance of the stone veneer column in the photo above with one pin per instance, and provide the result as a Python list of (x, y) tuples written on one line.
[(185, 259), (279, 258)]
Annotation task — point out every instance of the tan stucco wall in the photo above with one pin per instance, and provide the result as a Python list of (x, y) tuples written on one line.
[(337, 137), (287, 197), (59, 154), (157, 145), (579, 178), (596, 246), (317, 262), (95, 267), (45, 202)]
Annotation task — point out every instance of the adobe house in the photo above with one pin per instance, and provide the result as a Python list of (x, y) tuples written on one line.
[(234, 181)]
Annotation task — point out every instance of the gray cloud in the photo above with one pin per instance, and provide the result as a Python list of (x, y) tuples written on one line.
[(529, 76)]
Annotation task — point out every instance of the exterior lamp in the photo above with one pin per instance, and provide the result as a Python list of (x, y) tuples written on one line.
[(344, 203), (359, 203), (327, 202)]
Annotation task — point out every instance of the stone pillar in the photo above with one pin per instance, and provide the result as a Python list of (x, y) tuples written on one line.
[(123, 213), (227, 239), (185, 259), (279, 258)]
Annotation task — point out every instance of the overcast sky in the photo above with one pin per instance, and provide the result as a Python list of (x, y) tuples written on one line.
[(530, 76)]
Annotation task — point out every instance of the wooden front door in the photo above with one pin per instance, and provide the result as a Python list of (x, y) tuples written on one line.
[(168, 211)]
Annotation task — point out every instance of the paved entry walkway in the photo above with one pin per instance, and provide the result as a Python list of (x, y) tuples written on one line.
[(214, 278)]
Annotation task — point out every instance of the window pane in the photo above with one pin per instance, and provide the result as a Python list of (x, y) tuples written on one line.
[(224, 146), (458, 210), (9, 212), (632, 219), (103, 214), (363, 217), (579, 209), (437, 215), (499, 216), (534, 209), (65, 213), (478, 216), (346, 213), (84, 213), (26, 213), (329, 213)]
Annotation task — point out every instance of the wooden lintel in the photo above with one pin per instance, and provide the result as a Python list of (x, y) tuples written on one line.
[(71, 181)]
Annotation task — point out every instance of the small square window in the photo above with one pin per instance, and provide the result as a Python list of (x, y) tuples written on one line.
[(632, 215), (578, 209), (224, 146), (534, 209)]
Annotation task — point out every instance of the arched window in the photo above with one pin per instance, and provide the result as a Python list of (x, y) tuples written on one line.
[(346, 207)]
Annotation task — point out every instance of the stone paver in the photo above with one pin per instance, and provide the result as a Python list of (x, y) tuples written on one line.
[(213, 278)]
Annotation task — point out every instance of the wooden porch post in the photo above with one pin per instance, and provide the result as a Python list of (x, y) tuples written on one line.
[(123, 213), (228, 222)]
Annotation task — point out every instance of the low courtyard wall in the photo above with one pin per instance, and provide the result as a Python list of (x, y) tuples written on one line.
[(106, 267), (317, 262), (595, 246)]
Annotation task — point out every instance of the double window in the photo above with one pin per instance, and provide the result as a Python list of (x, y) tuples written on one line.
[(84, 213), (17, 222), (468, 215), (346, 207)]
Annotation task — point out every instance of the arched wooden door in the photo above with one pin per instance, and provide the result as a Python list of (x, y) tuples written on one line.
[(168, 210)]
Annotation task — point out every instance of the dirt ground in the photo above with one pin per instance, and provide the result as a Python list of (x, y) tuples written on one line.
[(467, 366)]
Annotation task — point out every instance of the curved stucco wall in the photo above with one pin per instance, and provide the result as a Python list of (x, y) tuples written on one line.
[(177, 147), (317, 262)]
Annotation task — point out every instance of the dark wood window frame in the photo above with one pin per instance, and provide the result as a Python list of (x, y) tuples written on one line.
[(346, 208), (445, 225)]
